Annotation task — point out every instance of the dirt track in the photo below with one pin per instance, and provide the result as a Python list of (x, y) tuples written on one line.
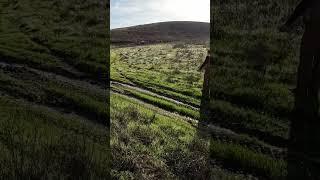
[(114, 83), (90, 85)]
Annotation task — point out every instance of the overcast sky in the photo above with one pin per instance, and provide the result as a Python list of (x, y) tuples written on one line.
[(126, 13)]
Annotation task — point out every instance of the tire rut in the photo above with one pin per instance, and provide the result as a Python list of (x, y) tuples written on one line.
[(96, 87), (273, 141), (153, 94), (54, 110), (209, 129), (25, 73)]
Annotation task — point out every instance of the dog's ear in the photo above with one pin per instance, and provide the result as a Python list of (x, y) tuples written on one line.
[(201, 67), (206, 61)]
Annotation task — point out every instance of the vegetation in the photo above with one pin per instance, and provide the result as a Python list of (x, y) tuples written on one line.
[(253, 75), (169, 71), (53, 98), (53, 111), (254, 72), (255, 66), (149, 143), (162, 32), (38, 142), (153, 86), (160, 102)]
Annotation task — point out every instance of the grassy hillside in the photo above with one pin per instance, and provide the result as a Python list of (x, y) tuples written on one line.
[(144, 106), (150, 143), (160, 86), (168, 69), (53, 57), (253, 72), (66, 30), (254, 67), (184, 31)]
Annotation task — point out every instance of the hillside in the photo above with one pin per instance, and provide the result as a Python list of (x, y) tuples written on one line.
[(53, 111), (251, 82), (253, 71), (155, 95), (175, 31)]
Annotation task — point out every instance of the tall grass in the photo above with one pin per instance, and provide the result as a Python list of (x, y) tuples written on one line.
[(35, 145)]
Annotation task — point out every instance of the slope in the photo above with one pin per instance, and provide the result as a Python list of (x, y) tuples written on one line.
[(176, 31), (53, 93)]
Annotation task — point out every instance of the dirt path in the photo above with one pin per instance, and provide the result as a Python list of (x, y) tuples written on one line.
[(86, 83), (38, 78), (114, 83), (96, 88), (208, 129)]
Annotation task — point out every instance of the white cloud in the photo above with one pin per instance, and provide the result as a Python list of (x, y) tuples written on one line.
[(134, 12)]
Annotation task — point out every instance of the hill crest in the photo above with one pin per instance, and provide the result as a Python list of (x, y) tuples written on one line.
[(161, 32)]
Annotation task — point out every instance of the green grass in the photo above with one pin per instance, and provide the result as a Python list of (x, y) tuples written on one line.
[(228, 115), (171, 148), (249, 152), (54, 93), (37, 142), (162, 103), (53, 126), (161, 68), (79, 144), (141, 137), (253, 72), (186, 96), (245, 91), (239, 157), (55, 28), (242, 94)]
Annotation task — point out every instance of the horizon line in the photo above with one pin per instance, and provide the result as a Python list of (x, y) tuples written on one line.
[(157, 23)]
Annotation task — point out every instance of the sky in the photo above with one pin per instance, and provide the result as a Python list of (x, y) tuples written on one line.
[(126, 13)]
